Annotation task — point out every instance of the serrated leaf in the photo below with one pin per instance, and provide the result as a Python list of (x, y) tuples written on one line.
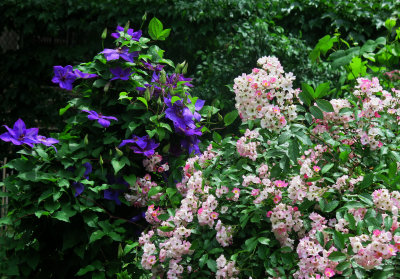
[(320, 238), (166, 228), (316, 112), (212, 265), (324, 105), (293, 150), (326, 168), (308, 90), (322, 90), (337, 256), (329, 207)]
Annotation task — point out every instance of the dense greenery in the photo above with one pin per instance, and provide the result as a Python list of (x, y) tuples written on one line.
[(79, 201)]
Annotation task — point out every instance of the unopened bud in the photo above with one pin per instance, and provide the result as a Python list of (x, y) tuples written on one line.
[(86, 140), (163, 77), (126, 27), (104, 34), (101, 160), (220, 118), (144, 17), (159, 102), (165, 149), (185, 67), (147, 94), (107, 86)]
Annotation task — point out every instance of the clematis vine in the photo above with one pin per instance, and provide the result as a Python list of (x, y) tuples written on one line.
[(101, 119), (141, 145), (121, 52)]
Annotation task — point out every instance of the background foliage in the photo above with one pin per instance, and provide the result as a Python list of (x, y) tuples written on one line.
[(219, 39)]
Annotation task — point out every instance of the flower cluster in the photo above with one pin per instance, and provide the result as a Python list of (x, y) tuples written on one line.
[(247, 145), (267, 94)]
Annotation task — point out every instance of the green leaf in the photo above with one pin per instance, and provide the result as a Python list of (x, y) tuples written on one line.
[(342, 266), (155, 28), (131, 179), (338, 239), (143, 100), (96, 236), (329, 207), (166, 228), (212, 265), (324, 105), (337, 256), (308, 90), (320, 238), (322, 90), (217, 137), (203, 260), (154, 190), (85, 270), (164, 34), (327, 168), (264, 240), (230, 117), (367, 181), (117, 165), (316, 112), (293, 150), (175, 99)]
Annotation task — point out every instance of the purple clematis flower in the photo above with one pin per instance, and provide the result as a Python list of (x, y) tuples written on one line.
[(137, 218), (112, 195), (191, 144), (48, 141), (80, 74), (101, 119), (135, 35), (121, 52), (79, 187), (141, 145), (64, 76), (20, 135), (120, 73), (182, 117)]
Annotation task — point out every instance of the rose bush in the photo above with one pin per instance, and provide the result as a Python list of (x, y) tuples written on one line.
[(308, 190)]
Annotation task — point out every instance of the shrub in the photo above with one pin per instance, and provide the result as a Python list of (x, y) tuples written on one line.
[(285, 198)]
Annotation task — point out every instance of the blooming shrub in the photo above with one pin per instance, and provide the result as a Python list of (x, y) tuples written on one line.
[(314, 196), (130, 124)]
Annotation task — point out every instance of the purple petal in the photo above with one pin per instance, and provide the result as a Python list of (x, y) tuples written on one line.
[(19, 127), (79, 187), (103, 122)]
